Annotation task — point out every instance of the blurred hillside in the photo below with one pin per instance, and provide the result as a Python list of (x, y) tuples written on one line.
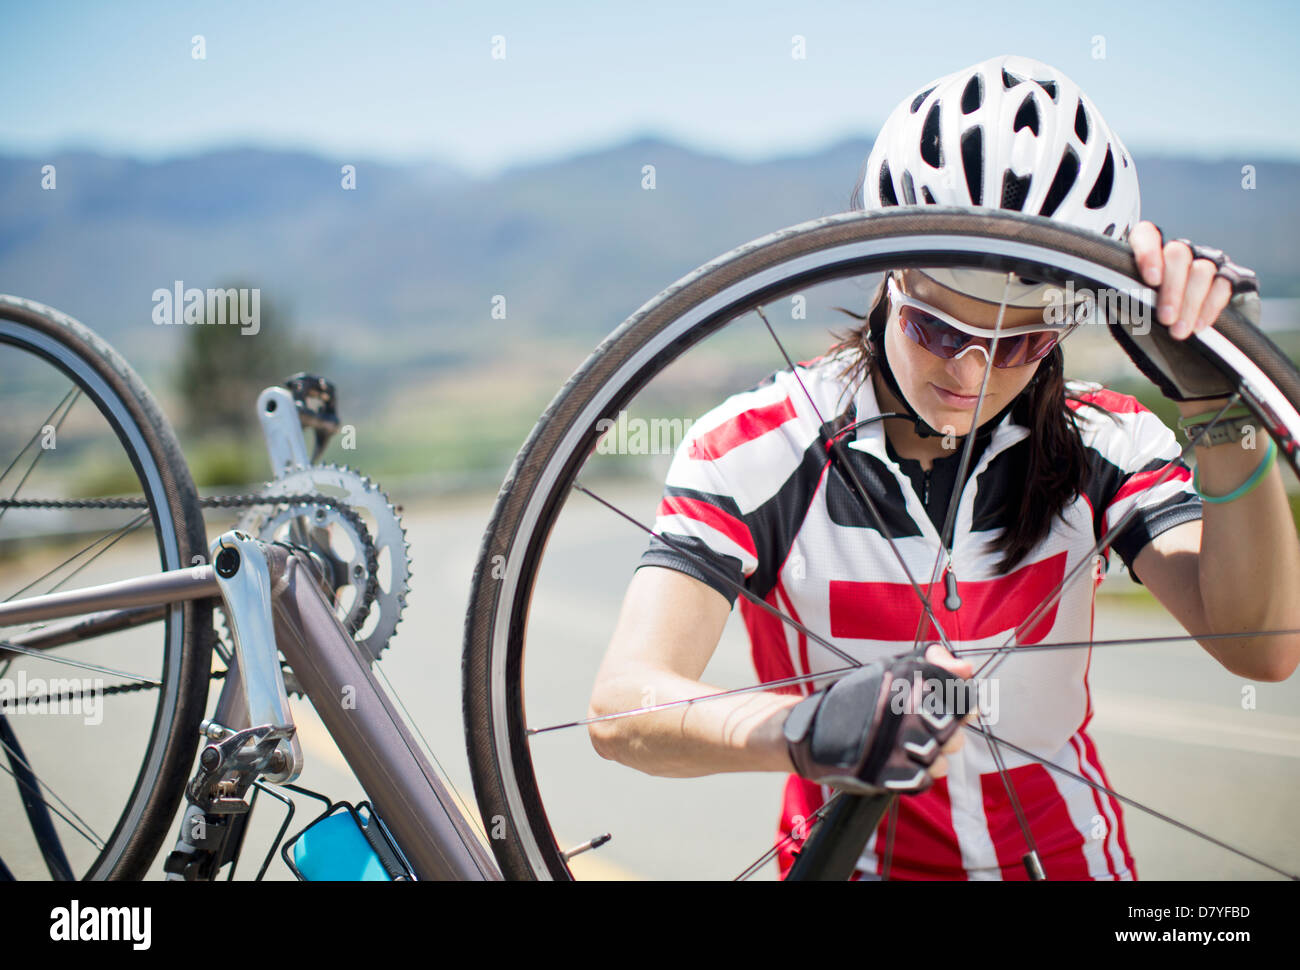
[(394, 282)]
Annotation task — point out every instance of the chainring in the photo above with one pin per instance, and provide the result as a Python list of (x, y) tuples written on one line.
[(344, 493)]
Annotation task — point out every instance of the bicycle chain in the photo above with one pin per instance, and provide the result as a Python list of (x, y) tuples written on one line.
[(48, 698), (225, 502)]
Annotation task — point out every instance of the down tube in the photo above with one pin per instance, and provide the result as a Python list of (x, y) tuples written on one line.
[(410, 798)]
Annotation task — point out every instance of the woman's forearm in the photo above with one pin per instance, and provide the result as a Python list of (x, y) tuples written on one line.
[(740, 732), (1249, 564)]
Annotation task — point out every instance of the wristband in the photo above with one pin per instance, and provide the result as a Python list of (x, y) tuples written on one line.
[(1247, 486), (1224, 432), (1234, 411)]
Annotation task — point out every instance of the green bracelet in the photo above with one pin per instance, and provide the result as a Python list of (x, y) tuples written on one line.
[(1246, 486), (1235, 411)]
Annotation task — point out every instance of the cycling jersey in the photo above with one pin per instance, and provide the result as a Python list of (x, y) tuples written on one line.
[(751, 491)]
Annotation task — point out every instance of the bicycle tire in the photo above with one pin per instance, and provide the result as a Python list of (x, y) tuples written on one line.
[(151, 446), (698, 304)]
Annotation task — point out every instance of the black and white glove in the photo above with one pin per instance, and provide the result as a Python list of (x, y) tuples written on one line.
[(878, 729)]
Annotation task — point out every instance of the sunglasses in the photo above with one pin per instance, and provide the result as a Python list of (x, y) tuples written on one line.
[(947, 337)]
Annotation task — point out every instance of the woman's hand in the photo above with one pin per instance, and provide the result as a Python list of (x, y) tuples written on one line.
[(940, 657), (884, 727), (1190, 296)]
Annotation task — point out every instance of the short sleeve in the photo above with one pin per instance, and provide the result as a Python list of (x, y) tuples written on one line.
[(738, 486), (1153, 488), (704, 533)]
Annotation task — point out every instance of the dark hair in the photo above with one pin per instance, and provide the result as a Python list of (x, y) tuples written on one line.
[(1054, 466)]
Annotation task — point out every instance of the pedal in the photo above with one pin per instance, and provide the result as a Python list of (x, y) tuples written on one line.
[(316, 400)]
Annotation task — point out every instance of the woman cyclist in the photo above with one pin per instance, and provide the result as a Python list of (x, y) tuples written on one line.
[(752, 498)]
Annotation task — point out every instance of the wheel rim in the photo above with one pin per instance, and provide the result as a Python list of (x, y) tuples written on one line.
[(518, 791), (97, 414)]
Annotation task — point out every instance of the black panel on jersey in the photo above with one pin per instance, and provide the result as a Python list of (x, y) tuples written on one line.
[(943, 477), (778, 520), (998, 489), (847, 509), (773, 526)]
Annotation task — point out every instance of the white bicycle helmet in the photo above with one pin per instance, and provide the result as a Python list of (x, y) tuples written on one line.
[(1009, 133)]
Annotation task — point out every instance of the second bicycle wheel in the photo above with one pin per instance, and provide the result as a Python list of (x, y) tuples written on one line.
[(546, 589), (97, 733)]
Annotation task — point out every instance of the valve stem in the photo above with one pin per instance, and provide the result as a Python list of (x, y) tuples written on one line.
[(595, 843)]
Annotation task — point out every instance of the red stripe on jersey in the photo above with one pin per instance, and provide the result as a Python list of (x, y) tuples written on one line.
[(925, 842), (768, 644), (989, 607), (1121, 836), (712, 516), (1110, 400), (745, 426), (1076, 745), (1141, 481), (1061, 851), (787, 605)]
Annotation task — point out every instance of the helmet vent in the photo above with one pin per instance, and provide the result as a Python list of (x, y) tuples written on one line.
[(1105, 179), (1014, 190), (909, 194), (887, 195), (1027, 116), (1049, 87), (1109, 230), (1066, 173), (972, 162), (1081, 123), (916, 101), (931, 150), (1010, 80), (925, 194), (973, 96)]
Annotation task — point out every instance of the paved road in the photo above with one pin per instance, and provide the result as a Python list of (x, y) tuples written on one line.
[(1170, 725)]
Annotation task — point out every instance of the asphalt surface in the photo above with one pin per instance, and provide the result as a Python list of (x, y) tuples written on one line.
[(1171, 727)]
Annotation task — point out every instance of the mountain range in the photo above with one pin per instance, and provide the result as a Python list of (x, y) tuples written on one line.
[(407, 267)]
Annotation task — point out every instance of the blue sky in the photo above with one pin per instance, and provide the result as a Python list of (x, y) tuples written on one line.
[(417, 81)]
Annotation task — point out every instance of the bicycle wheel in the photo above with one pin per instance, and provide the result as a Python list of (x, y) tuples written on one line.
[(506, 707), (98, 735)]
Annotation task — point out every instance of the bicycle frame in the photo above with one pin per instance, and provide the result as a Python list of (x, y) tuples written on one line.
[(431, 831)]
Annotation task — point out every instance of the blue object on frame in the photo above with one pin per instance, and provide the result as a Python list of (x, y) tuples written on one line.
[(335, 849)]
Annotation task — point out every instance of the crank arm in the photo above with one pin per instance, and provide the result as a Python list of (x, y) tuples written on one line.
[(245, 582)]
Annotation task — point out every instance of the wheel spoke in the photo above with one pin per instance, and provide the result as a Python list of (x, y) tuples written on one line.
[(80, 825), (845, 466), (817, 815), (680, 319), (38, 815), (110, 538), (836, 673), (740, 588), (769, 685), (945, 545), (1079, 569), (1097, 786), (1124, 642), (968, 445), (69, 399), (847, 471), (84, 664), (63, 382)]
